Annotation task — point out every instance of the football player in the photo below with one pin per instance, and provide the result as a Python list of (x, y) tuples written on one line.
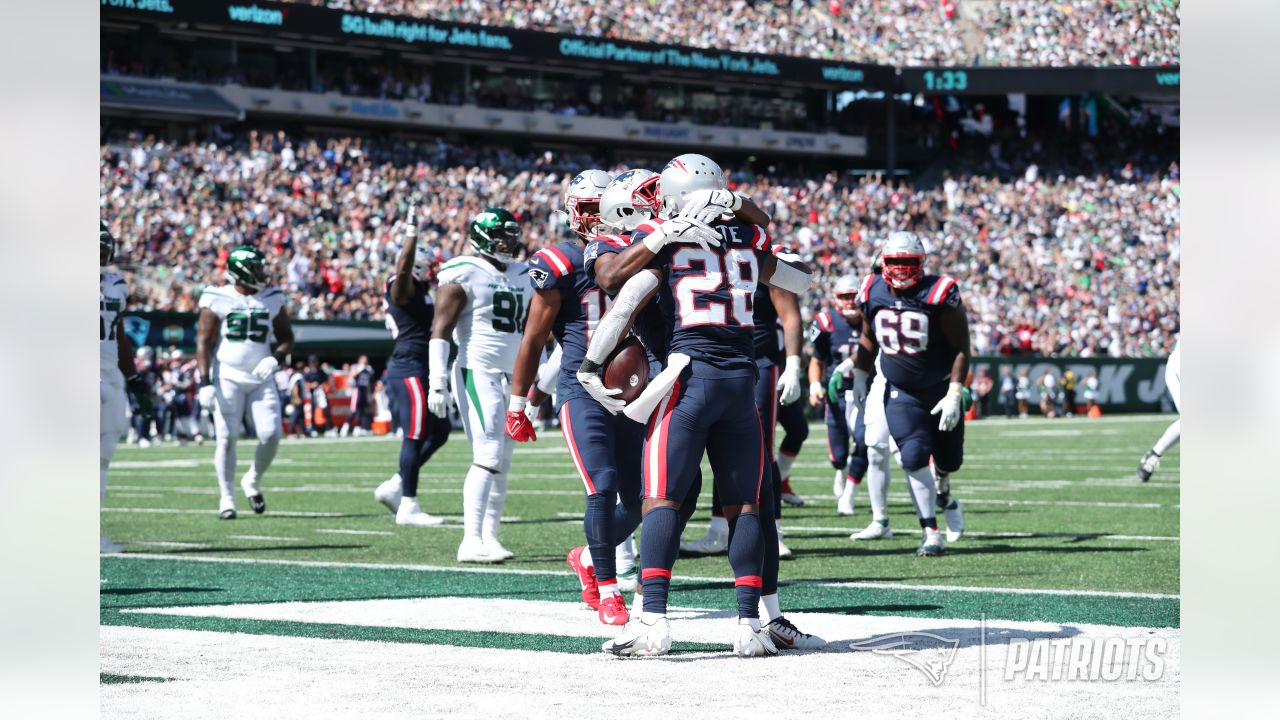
[(795, 431), (917, 323), (410, 311), (605, 447), (834, 337), (702, 396), (116, 370), (1173, 382), (481, 304), (248, 324)]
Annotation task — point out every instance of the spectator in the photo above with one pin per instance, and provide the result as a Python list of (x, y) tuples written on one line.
[(1069, 392), (1049, 394), (1008, 399), (1023, 392)]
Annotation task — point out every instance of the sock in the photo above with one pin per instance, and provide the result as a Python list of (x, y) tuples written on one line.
[(770, 608), (649, 618), (746, 557), (264, 454), (637, 603), (224, 462), (609, 587), (1170, 436), (659, 543), (752, 622), (924, 495), (624, 555), (475, 499), (785, 461), (597, 525), (769, 559), (493, 509), (857, 467), (840, 477), (878, 483), (410, 452)]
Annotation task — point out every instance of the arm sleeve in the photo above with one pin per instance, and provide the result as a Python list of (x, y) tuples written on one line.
[(614, 323), (549, 371)]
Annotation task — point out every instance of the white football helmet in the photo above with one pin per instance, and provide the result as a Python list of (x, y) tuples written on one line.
[(582, 201), (629, 200), (685, 174), (846, 293), (902, 260), (425, 262)]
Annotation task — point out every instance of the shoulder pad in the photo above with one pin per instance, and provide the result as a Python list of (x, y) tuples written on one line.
[(945, 291), (760, 239), (553, 259), (824, 322), (864, 293)]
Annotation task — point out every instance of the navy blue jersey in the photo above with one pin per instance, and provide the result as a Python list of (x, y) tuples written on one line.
[(559, 268), (768, 334), (711, 292), (834, 339), (653, 324), (914, 355), (410, 326)]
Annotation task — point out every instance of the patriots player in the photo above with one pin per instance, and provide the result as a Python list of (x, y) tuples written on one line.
[(410, 312), (605, 447), (247, 322), (834, 337), (917, 323), (481, 304), (702, 396), (1172, 382), (116, 370)]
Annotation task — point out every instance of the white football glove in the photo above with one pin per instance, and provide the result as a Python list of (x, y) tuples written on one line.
[(817, 391), (602, 394), (949, 407), (707, 206), (682, 230), (438, 397), (205, 396), (789, 382), (266, 367)]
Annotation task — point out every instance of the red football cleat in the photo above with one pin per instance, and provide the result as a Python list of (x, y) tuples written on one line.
[(613, 610), (586, 578)]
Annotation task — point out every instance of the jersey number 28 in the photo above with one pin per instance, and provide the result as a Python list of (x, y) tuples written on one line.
[(735, 272), (902, 332)]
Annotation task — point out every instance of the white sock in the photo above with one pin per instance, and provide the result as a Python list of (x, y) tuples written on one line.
[(637, 605), (923, 491), (624, 556), (840, 477), (408, 506), (777, 524), (1170, 436), (769, 607), (753, 622), (224, 462), (475, 499), (264, 454), (493, 509), (649, 618), (878, 482), (785, 462), (609, 588)]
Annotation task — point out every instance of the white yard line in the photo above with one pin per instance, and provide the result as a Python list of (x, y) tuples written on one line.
[(345, 531)]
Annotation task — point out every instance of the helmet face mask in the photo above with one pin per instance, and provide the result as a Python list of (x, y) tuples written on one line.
[(425, 264), (630, 199), (496, 233), (845, 293), (582, 201), (106, 244), (903, 260), (246, 265), (685, 174)]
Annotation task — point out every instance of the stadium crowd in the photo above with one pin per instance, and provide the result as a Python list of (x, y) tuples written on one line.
[(893, 32), (1064, 264)]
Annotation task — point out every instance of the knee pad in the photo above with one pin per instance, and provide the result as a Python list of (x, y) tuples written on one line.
[(915, 454), (487, 454)]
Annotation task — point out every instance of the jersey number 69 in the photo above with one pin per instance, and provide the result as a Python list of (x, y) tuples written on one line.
[(902, 332)]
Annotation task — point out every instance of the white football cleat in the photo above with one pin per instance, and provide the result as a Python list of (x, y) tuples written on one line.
[(641, 640), (931, 545), (106, 547), (954, 514), (714, 542), (784, 552), (410, 513), (786, 636), (473, 550), (844, 506), (389, 493), (753, 643), (627, 581), (252, 486), (1148, 465), (875, 531), (789, 496), (227, 508), (496, 548)]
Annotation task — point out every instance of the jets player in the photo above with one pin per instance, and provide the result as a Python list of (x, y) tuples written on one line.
[(480, 304), (917, 323), (410, 311), (834, 337), (1173, 382), (116, 370), (247, 323), (605, 447)]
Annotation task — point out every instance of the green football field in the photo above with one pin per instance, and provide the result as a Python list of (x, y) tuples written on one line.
[(1061, 541)]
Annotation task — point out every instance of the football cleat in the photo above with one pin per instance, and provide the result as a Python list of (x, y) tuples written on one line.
[(227, 508), (844, 506), (389, 493), (875, 531), (473, 550), (253, 490), (613, 609), (410, 513), (789, 496), (715, 542), (496, 548), (586, 577), (627, 581), (753, 643), (786, 636), (931, 546), (784, 552), (641, 640), (106, 547), (1148, 466), (954, 513)]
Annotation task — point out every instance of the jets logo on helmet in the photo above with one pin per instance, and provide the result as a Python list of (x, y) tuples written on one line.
[(247, 266), (846, 293), (106, 244), (629, 200), (496, 233), (903, 260), (685, 174), (582, 201)]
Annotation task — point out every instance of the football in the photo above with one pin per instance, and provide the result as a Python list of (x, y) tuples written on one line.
[(627, 369)]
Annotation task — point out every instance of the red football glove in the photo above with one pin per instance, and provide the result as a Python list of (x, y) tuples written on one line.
[(519, 428)]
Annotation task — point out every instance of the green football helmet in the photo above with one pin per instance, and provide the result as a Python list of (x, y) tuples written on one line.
[(248, 266), (496, 233), (106, 244)]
